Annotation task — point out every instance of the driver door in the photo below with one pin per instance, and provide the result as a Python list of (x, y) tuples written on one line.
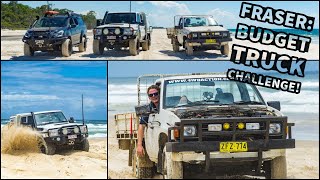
[(180, 31), (152, 132)]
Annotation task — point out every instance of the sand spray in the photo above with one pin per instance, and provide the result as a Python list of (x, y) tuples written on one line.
[(19, 138)]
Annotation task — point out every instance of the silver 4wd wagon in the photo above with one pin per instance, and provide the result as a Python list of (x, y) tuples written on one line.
[(195, 32), (207, 122), (122, 29), (56, 130)]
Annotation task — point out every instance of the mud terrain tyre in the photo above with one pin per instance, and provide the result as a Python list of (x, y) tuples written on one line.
[(145, 45), (28, 51), (134, 46), (175, 45), (140, 172), (98, 49), (66, 48), (224, 49), (83, 45), (189, 50), (276, 168), (171, 169), (83, 146), (47, 148), (124, 144)]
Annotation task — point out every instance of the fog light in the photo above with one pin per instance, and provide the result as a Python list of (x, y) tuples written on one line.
[(58, 139), (240, 125), (226, 126), (125, 37), (65, 131)]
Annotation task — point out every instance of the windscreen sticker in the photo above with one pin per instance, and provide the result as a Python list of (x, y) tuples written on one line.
[(197, 80)]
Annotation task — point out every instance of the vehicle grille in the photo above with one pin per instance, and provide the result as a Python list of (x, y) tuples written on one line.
[(41, 35), (233, 133)]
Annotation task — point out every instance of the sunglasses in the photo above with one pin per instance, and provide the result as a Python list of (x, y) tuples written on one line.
[(154, 94)]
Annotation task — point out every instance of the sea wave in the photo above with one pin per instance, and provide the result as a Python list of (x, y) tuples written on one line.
[(115, 89), (98, 135)]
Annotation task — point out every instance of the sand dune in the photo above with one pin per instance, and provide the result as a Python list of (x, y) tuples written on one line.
[(161, 49)]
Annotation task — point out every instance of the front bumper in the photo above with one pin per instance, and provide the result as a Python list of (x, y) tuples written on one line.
[(64, 141), (44, 44), (114, 39), (204, 42)]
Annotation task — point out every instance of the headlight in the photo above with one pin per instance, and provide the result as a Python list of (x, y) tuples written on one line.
[(45, 135), (189, 131), (225, 34), (58, 33), (97, 32), (274, 128), (217, 34), (65, 131), (27, 35), (106, 31), (252, 126), (203, 34), (53, 132), (128, 31), (83, 129), (76, 130), (214, 127), (117, 31), (195, 35)]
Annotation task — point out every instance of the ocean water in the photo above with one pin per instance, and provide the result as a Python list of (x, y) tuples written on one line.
[(301, 109), (314, 34), (96, 128)]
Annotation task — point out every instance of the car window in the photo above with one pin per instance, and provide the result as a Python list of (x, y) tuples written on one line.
[(24, 120), (138, 18)]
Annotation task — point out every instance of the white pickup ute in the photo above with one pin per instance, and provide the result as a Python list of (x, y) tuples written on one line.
[(207, 121)]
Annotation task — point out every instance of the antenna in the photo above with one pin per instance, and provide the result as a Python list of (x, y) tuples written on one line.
[(82, 110), (130, 6)]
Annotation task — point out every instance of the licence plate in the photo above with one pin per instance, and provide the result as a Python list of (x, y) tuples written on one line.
[(111, 37), (72, 136), (39, 41), (211, 41), (233, 146)]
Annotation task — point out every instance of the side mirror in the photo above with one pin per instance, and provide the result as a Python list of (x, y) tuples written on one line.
[(220, 25), (143, 110), (71, 120), (98, 22), (37, 17), (274, 104)]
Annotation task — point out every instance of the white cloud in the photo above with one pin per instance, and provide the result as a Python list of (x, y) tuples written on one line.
[(180, 8), (27, 97), (225, 18)]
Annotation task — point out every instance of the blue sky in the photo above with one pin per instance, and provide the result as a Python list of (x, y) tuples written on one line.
[(161, 12), (137, 68), (41, 86)]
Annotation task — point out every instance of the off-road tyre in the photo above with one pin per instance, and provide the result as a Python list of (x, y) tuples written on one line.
[(27, 50), (276, 168), (83, 45), (66, 48), (140, 172), (171, 169), (46, 148), (134, 46), (97, 47), (225, 49), (83, 146)]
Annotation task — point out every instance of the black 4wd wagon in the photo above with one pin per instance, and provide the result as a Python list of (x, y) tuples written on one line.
[(56, 32)]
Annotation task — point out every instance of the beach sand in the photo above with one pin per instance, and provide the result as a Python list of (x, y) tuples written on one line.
[(67, 164), (161, 49), (302, 161)]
